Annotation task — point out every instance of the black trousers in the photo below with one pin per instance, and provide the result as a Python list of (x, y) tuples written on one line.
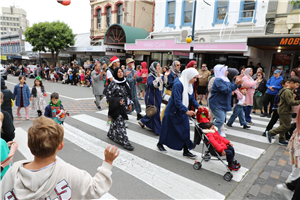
[(268, 98), (295, 186), (273, 120)]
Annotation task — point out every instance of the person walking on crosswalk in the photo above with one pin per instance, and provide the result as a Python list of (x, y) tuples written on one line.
[(98, 84), (155, 87), (131, 76), (221, 91), (285, 110), (119, 97), (175, 130)]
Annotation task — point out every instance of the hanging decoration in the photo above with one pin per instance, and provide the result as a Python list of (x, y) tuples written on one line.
[(64, 2)]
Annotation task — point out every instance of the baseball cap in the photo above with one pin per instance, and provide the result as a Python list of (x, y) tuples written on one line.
[(277, 71)]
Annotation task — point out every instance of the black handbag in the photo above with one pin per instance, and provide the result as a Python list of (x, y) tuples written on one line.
[(151, 110)]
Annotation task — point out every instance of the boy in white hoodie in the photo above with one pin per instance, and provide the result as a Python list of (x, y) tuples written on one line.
[(49, 178)]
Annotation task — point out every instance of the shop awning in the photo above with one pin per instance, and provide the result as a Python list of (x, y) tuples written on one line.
[(283, 42), (16, 57), (118, 34), (25, 58)]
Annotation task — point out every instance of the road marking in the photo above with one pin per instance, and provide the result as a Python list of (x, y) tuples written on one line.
[(242, 149), (22, 139), (167, 182), (150, 143), (66, 97)]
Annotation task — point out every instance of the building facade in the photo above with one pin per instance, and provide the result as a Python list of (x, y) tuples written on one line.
[(12, 19), (104, 13), (280, 46), (221, 30)]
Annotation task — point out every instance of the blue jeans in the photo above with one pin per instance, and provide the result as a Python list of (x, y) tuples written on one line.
[(247, 110), (229, 154), (219, 118), (237, 112)]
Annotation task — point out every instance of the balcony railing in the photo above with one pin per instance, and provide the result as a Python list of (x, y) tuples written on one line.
[(237, 19)]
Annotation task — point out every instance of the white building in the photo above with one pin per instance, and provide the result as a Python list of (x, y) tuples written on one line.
[(221, 31), (12, 19)]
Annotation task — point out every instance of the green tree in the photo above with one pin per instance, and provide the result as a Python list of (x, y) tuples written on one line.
[(296, 2), (50, 37)]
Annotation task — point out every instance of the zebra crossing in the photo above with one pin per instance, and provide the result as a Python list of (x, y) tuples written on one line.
[(146, 173)]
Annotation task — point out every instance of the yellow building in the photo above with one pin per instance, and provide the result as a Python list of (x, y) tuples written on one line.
[(139, 14)]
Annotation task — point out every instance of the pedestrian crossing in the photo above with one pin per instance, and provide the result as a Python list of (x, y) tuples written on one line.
[(155, 174)]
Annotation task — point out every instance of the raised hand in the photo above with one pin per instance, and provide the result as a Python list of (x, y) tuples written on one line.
[(111, 154), (167, 73)]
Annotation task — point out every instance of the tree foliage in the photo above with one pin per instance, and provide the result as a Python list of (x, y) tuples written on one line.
[(296, 2), (50, 37)]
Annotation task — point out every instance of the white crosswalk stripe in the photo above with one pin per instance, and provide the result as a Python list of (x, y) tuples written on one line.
[(171, 184), (175, 186), (150, 143)]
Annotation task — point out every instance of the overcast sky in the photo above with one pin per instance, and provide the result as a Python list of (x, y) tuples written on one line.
[(77, 15)]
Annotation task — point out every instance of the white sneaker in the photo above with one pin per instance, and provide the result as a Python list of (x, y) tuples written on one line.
[(285, 191), (223, 134)]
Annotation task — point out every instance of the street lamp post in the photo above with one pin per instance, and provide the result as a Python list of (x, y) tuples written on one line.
[(193, 29)]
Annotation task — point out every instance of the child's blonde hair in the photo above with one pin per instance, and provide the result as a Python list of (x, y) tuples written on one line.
[(44, 137)]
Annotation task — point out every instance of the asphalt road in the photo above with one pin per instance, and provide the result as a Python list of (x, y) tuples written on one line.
[(146, 173)]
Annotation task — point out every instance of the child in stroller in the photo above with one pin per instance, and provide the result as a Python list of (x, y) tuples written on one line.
[(222, 145)]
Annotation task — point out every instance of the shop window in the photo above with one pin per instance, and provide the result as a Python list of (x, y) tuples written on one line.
[(221, 8), (187, 13), (167, 59), (296, 6), (247, 11), (99, 18), (284, 60), (120, 14), (170, 13), (108, 16)]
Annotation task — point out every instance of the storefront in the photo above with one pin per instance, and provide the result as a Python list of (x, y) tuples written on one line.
[(278, 51), (167, 50), (118, 35)]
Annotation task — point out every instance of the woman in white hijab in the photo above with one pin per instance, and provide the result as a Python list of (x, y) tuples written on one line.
[(175, 130), (220, 100)]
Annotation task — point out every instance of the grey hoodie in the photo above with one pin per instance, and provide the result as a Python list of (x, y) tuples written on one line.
[(62, 181)]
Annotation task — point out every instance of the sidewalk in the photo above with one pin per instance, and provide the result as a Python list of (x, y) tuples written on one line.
[(276, 171)]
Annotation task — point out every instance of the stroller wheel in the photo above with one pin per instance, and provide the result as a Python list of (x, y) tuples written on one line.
[(207, 157), (227, 177), (197, 165)]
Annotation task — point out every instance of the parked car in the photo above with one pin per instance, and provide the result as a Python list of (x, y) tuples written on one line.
[(3, 72)]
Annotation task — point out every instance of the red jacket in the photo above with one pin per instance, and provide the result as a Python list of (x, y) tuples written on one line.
[(216, 140), (144, 71)]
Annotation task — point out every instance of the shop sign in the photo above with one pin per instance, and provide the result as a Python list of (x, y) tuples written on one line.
[(274, 41), (115, 50), (178, 53), (289, 41), (3, 58), (33, 55), (170, 44)]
